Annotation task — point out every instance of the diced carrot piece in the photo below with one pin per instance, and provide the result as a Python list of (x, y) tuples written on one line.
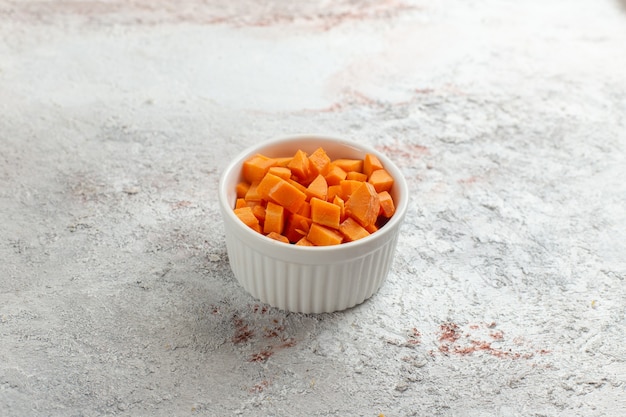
[(300, 166), (255, 168), (317, 188), (348, 187), (253, 192), (305, 209), (283, 161), (338, 201), (357, 176), (352, 230), (325, 213), (282, 172), (274, 218), (323, 236), (320, 162), (278, 237), (387, 206), (246, 215), (364, 205), (259, 212), (335, 174), (297, 226), (333, 190), (276, 189), (371, 228), (381, 180), (349, 164), (288, 196), (297, 185), (370, 164), (242, 188), (267, 184), (240, 202), (304, 242)]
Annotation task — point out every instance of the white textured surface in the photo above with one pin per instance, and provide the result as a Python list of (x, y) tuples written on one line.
[(507, 293)]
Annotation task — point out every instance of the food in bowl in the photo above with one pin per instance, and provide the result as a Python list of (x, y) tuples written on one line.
[(309, 279), (313, 200)]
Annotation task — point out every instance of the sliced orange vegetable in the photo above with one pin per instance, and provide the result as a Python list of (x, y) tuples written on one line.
[(282, 172), (325, 213), (387, 206), (381, 180), (318, 188), (357, 176), (274, 218), (242, 189), (300, 166), (283, 161), (338, 201), (333, 191), (255, 168), (278, 237), (246, 215), (348, 187), (364, 205), (259, 212), (349, 164), (267, 184), (253, 192), (297, 185), (241, 202), (335, 174), (297, 226), (305, 209), (320, 162), (323, 236), (352, 230), (304, 242), (370, 164)]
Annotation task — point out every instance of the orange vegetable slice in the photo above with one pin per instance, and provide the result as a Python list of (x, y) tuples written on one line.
[(246, 215), (297, 226), (320, 162), (278, 237), (349, 164), (318, 188), (325, 213), (255, 168), (323, 236), (352, 230), (387, 206), (381, 180), (370, 164), (274, 218), (364, 205)]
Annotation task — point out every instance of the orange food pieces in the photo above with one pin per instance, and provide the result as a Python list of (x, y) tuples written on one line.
[(318, 188), (274, 218), (381, 180), (371, 164), (256, 167), (352, 230), (364, 205), (387, 206), (313, 200), (246, 215), (325, 213), (320, 162), (323, 236)]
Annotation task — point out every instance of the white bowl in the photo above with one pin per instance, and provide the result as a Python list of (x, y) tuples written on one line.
[(310, 279)]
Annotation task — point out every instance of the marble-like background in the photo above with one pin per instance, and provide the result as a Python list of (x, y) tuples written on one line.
[(507, 295)]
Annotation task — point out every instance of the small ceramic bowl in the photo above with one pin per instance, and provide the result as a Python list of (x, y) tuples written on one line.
[(310, 279)]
